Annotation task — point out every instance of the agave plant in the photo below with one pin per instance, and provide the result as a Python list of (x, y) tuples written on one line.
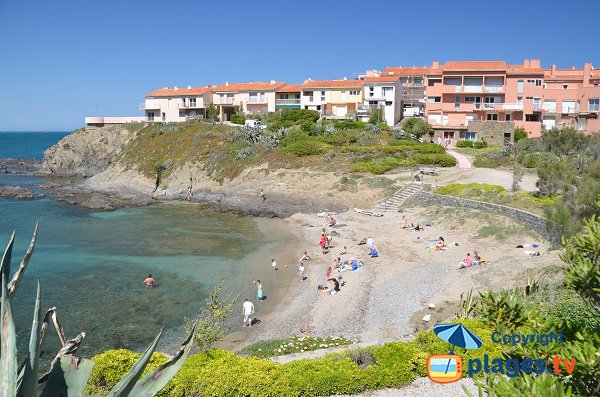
[(68, 375)]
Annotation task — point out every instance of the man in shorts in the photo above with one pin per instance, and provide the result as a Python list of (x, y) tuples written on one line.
[(248, 310)]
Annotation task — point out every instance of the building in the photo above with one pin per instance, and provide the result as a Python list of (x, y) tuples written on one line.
[(288, 97), (334, 99), (412, 88), (176, 104), (101, 121), (381, 92), (247, 98)]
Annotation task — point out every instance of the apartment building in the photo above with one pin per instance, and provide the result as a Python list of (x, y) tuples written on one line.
[(176, 104), (412, 88), (334, 99), (248, 98), (381, 92), (288, 97)]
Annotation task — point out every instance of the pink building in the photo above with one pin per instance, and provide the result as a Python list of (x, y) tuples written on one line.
[(489, 99)]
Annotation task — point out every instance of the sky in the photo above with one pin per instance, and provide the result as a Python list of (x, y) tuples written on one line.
[(63, 60)]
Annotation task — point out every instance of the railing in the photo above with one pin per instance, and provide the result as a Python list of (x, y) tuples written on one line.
[(549, 109), (144, 106), (494, 89), (257, 100), (537, 106), (512, 106), (224, 101), (449, 88), (568, 109), (287, 101), (473, 88), (416, 85), (593, 108), (192, 105)]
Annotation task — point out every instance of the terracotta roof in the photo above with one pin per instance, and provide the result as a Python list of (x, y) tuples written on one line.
[(334, 84), (254, 86), (407, 71), (516, 69), (475, 65), (291, 88), (180, 91), (383, 79), (564, 74)]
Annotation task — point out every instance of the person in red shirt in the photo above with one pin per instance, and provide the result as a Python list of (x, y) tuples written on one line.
[(149, 281), (323, 243)]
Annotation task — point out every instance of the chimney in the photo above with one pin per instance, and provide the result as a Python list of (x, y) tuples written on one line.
[(273, 82), (526, 63), (227, 84), (189, 87), (587, 73), (345, 78), (535, 63), (165, 88), (306, 80), (176, 88), (553, 70), (435, 65)]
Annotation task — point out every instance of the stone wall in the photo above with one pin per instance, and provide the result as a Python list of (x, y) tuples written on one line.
[(492, 131), (537, 223)]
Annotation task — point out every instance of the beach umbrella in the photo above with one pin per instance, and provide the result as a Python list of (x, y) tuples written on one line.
[(457, 335)]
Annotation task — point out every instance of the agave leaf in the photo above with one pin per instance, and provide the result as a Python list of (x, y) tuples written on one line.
[(6, 258), (125, 386), (67, 377), (16, 279), (28, 376), (156, 380), (8, 344), (52, 315)]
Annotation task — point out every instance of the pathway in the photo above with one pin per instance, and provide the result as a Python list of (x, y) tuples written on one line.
[(396, 200), (463, 161)]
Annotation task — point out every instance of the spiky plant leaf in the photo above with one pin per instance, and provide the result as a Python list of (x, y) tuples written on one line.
[(16, 279), (126, 385), (156, 380), (6, 258), (8, 344), (28, 375), (67, 377)]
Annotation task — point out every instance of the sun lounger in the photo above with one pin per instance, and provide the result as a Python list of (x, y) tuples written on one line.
[(370, 213)]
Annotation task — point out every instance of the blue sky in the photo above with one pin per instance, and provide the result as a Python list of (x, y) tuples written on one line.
[(63, 60)]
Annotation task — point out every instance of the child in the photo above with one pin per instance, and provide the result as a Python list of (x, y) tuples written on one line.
[(301, 270), (273, 264), (259, 288)]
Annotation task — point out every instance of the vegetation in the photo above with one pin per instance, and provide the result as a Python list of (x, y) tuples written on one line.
[(519, 134), (68, 375), (417, 127), (238, 118), (481, 144), (296, 344)]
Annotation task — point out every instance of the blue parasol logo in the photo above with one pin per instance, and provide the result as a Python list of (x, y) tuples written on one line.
[(458, 336)]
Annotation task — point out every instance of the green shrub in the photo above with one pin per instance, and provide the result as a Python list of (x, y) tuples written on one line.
[(306, 148), (569, 308), (238, 118), (481, 144), (295, 344), (519, 134), (340, 138), (349, 125), (470, 190), (294, 135), (546, 385), (112, 365), (307, 126), (378, 165), (464, 143), (441, 159)]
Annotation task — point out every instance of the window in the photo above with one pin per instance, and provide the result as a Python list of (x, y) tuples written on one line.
[(593, 104), (565, 86), (164, 117), (519, 100), (530, 81), (431, 82), (532, 117), (537, 103), (538, 83), (388, 103), (385, 90), (373, 103), (150, 116), (322, 92), (297, 96), (182, 113), (492, 116), (507, 117), (434, 99), (354, 92), (322, 99), (283, 96), (471, 136)]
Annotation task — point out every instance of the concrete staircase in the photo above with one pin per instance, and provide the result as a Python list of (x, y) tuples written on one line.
[(396, 200)]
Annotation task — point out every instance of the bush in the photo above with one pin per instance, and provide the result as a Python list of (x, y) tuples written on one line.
[(481, 144), (464, 144), (112, 365), (296, 344), (306, 148), (238, 118), (294, 135), (340, 138), (349, 125), (519, 134), (441, 159), (470, 189), (307, 126), (571, 309)]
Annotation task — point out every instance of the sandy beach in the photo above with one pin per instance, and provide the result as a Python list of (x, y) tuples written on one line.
[(387, 296)]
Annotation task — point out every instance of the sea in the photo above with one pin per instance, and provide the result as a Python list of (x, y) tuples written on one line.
[(91, 265)]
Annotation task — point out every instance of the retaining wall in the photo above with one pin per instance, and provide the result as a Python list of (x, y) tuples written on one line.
[(537, 223)]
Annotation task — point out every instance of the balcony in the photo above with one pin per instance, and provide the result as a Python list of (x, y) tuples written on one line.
[(189, 105), (473, 88), (512, 106), (494, 89), (149, 106), (224, 101), (451, 89), (257, 100), (412, 85), (287, 101)]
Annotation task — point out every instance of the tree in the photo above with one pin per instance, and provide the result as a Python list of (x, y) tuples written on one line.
[(210, 322), (212, 112), (375, 116), (519, 134), (417, 127)]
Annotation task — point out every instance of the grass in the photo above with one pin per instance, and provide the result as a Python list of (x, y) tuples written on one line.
[(496, 194), (493, 160), (295, 344), (475, 152)]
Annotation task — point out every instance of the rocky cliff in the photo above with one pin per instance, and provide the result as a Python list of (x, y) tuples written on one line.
[(87, 151)]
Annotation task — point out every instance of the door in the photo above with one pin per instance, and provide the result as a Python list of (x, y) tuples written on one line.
[(506, 138), (520, 86), (449, 137), (341, 111)]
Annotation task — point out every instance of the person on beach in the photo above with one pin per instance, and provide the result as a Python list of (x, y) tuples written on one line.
[(370, 242), (305, 257), (301, 271), (248, 310), (323, 243), (263, 196), (332, 221), (336, 286), (273, 264), (189, 193), (149, 281), (328, 272), (259, 287)]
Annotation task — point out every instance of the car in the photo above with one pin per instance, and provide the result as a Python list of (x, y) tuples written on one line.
[(254, 124)]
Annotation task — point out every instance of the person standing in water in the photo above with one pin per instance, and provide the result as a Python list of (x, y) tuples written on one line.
[(273, 264), (301, 271), (263, 196), (248, 310), (259, 288), (149, 281)]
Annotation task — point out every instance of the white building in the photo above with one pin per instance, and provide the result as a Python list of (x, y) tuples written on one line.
[(382, 92), (256, 97), (176, 104)]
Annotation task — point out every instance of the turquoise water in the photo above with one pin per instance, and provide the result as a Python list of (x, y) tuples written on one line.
[(91, 266), (30, 145)]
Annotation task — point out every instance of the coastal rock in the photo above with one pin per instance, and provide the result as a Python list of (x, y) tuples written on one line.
[(18, 192), (97, 202), (19, 166), (87, 151)]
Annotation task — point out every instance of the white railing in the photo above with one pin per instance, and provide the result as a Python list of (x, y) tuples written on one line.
[(416, 85), (512, 106), (224, 101), (257, 100), (472, 88), (593, 108), (537, 106), (568, 109), (494, 89), (145, 106), (287, 101), (189, 105), (549, 109)]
